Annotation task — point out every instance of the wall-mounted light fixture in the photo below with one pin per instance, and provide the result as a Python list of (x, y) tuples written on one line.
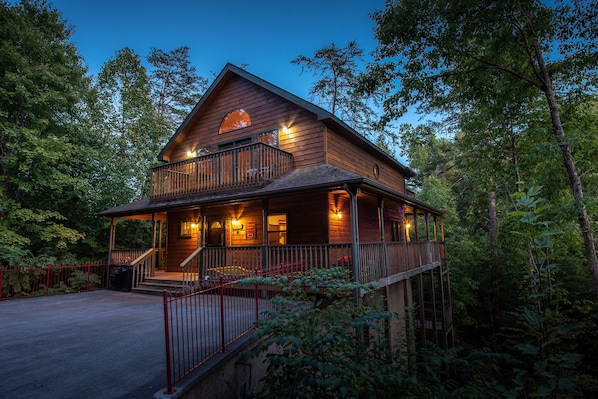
[(237, 225), (191, 154), (338, 213)]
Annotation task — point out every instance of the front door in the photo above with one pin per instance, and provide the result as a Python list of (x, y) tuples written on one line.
[(215, 236)]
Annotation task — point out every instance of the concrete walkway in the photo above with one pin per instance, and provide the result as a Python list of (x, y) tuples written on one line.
[(94, 345)]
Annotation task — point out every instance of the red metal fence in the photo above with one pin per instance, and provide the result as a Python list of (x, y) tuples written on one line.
[(26, 281), (201, 324)]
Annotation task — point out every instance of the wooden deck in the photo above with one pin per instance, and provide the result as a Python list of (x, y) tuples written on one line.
[(164, 275)]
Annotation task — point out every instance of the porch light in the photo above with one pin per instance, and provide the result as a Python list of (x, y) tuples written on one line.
[(191, 153), (285, 129), (408, 226), (339, 214), (237, 225)]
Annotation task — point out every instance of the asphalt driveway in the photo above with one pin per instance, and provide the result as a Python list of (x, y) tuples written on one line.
[(100, 344)]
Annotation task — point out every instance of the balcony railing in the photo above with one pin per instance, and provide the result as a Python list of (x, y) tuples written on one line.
[(248, 166), (378, 261)]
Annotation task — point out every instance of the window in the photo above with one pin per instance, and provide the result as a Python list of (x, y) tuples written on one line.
[(233, 144), (270, 138), (376, 171), (277, 229), (236, 119), (186, 228)]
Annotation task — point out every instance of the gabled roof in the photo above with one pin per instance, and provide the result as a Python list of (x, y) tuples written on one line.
[(324, 116)]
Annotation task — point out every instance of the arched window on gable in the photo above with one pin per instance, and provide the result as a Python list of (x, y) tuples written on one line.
[(235, 119)]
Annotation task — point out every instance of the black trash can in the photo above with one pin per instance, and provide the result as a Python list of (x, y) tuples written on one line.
[(120, 277)]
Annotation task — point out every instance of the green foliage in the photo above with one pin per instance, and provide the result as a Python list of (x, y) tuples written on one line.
[(82, 280), (320, 343), (549, 366), (131, 128), (42, 82)]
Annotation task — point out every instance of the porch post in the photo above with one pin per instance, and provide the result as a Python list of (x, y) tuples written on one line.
[(155, 225), (111, 239), (415, 225), (156, 261), (442, 228), (201, 229), (382, 236), (426, 216), (161, 249), (355, 253), (264, 263)]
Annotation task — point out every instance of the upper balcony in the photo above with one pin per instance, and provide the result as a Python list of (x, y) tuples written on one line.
[(248, 166)]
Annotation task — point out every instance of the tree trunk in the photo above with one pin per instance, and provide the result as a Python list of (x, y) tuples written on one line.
[(495, 297), (574, 178)]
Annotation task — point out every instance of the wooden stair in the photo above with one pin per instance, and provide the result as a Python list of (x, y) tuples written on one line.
[(156, 286)]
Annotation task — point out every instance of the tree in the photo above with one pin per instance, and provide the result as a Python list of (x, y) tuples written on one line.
[(337, 91), (42, 83), (446, 53), (132, 129), (176, 87)]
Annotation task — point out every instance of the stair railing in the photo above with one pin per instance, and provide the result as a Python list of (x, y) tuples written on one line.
[(191, 267), (143, 266)]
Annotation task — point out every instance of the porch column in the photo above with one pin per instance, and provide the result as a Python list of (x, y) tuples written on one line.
[(355, 253), (426, 216), (156, 262), (442, 228), (382, 236), (155, 226), (202, 230), (112, 238), (161, 249), (264, 264), (402, 220), (415, 225)]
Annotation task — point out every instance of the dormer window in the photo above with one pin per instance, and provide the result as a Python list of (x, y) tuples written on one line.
[(235, 119)]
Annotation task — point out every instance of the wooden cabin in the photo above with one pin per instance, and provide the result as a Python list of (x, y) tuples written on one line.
[(258, 180)]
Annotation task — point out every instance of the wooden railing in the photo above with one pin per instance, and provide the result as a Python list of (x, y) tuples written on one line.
[(248, 166), (143, 266), (377, 260), (124, 256)]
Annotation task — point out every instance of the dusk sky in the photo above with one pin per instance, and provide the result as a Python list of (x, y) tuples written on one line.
[(264, 34)]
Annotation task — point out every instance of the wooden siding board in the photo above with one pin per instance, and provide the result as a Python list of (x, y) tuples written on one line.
[(346, 155), (307, 217), (180, 247), (267, 112)]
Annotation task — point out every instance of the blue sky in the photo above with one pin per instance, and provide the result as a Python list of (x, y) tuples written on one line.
[(264, 34)]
